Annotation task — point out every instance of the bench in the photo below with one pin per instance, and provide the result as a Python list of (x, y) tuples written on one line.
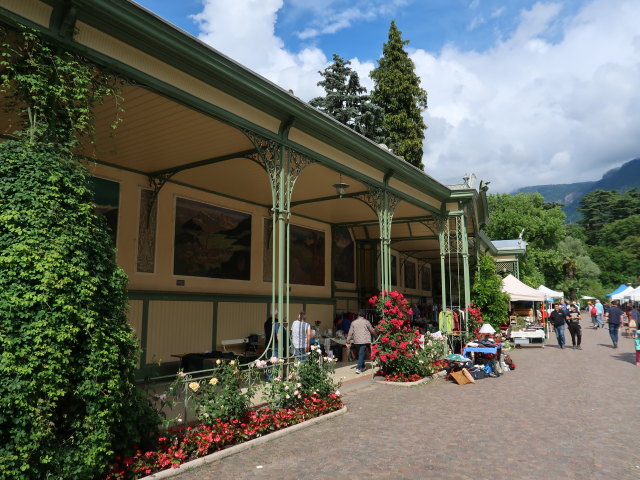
[(246, 352)]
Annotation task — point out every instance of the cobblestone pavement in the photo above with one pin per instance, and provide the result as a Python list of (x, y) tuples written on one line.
[(562, 414)]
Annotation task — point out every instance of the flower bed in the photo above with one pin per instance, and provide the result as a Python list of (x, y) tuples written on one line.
[(401, 377), (180, 445)]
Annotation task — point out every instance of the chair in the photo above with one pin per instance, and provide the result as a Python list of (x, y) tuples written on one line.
[(631, 328)]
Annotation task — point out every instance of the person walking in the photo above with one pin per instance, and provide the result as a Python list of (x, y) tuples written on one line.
[(599, 314), (615, 318), (637, 339), (573, 321), (558, 320), (360, 334), (301, 337), (593, 311)]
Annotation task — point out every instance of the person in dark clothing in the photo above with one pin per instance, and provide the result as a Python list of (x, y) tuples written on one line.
[(615, 318), (271, 328), (573, 321), (268, 330), (558, 319)]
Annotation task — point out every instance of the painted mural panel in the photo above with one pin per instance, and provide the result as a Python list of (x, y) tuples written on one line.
[(106, 198), (409, 274), (425, 278), (211, 241), (394, 270), (343, 255), (147, 221), (306, 255)]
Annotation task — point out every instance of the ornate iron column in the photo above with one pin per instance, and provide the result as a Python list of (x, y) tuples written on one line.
[(442, 224), (454, 241), (461, 221), (384, 204), (283, 166)]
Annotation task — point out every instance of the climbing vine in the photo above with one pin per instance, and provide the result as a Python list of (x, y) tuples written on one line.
[(53, 91), (68, 357)]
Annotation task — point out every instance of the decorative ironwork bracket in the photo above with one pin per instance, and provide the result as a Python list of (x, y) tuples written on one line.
[(156, 182)]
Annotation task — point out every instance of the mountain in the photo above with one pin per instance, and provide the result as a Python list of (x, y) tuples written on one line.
[(622, 178)]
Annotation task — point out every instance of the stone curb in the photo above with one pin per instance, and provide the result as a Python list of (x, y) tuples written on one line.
[(413, 384), (227, 452)]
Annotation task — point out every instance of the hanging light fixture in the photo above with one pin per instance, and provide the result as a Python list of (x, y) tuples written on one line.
[(341, 187)]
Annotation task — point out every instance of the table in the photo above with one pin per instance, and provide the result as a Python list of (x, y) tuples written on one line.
[(526, 336), (497, 351), (338, 341)]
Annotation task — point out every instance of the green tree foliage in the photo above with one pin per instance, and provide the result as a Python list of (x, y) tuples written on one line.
[(542, 225), (611, 224), (397, 91), (616, 266), (67, 399), (617, 231), (486, 293), (576, 266), (347, 101), (602, 207)]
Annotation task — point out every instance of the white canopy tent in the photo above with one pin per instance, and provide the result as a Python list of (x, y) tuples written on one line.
[(519, 291), (625, 293), (551, 293), (634, 294)]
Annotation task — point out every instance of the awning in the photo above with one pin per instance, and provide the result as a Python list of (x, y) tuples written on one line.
[(621, 288), (550, 293), (520, 291), (626, 293)]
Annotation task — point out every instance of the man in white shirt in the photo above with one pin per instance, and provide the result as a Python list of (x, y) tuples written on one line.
[(301, 337), (599, 314)]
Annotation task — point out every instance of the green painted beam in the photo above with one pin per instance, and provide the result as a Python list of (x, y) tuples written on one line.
[(202, 163), (324, 199)]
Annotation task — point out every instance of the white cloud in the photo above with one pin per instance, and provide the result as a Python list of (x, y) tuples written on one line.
[(245, 31), (333, 15), (530, 111), (556, 101)]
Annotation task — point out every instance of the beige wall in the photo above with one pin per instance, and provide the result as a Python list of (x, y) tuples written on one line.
[(320, 313), (134, 316), (238, 320), (34, 10), (178, 327), (163, 278)]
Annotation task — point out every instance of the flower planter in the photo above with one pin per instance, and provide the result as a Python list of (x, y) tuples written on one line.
[(227, 452), (405, 384)]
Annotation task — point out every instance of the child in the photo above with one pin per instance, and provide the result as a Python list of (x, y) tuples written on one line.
[(637, 349)]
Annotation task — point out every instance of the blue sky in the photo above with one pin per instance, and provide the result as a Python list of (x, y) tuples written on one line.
[(520, 92)]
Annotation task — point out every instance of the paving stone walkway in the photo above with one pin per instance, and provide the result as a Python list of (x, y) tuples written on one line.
[(562, 414)]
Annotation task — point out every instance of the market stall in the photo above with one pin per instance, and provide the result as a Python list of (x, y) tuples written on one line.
[(533, 332)]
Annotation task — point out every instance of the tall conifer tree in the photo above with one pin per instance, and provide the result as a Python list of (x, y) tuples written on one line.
[(347, 101), (397, 91)]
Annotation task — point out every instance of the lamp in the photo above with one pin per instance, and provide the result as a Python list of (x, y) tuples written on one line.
[(486, 328), (341, 187)]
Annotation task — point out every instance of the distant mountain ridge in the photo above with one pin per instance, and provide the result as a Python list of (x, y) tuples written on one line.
[(622, 178)]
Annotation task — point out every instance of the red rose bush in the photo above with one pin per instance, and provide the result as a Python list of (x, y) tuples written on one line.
[(403, 354)]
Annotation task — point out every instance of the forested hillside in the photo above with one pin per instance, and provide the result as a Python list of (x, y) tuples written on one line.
[(622, 178)]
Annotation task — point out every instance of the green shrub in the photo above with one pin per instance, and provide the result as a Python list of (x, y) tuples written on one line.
[(67, 398), (487, 293), (224, 396)]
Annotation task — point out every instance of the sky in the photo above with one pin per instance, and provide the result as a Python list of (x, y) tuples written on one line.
[(520, 92)]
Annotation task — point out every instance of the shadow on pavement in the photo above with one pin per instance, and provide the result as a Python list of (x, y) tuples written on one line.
[(628, 357)]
